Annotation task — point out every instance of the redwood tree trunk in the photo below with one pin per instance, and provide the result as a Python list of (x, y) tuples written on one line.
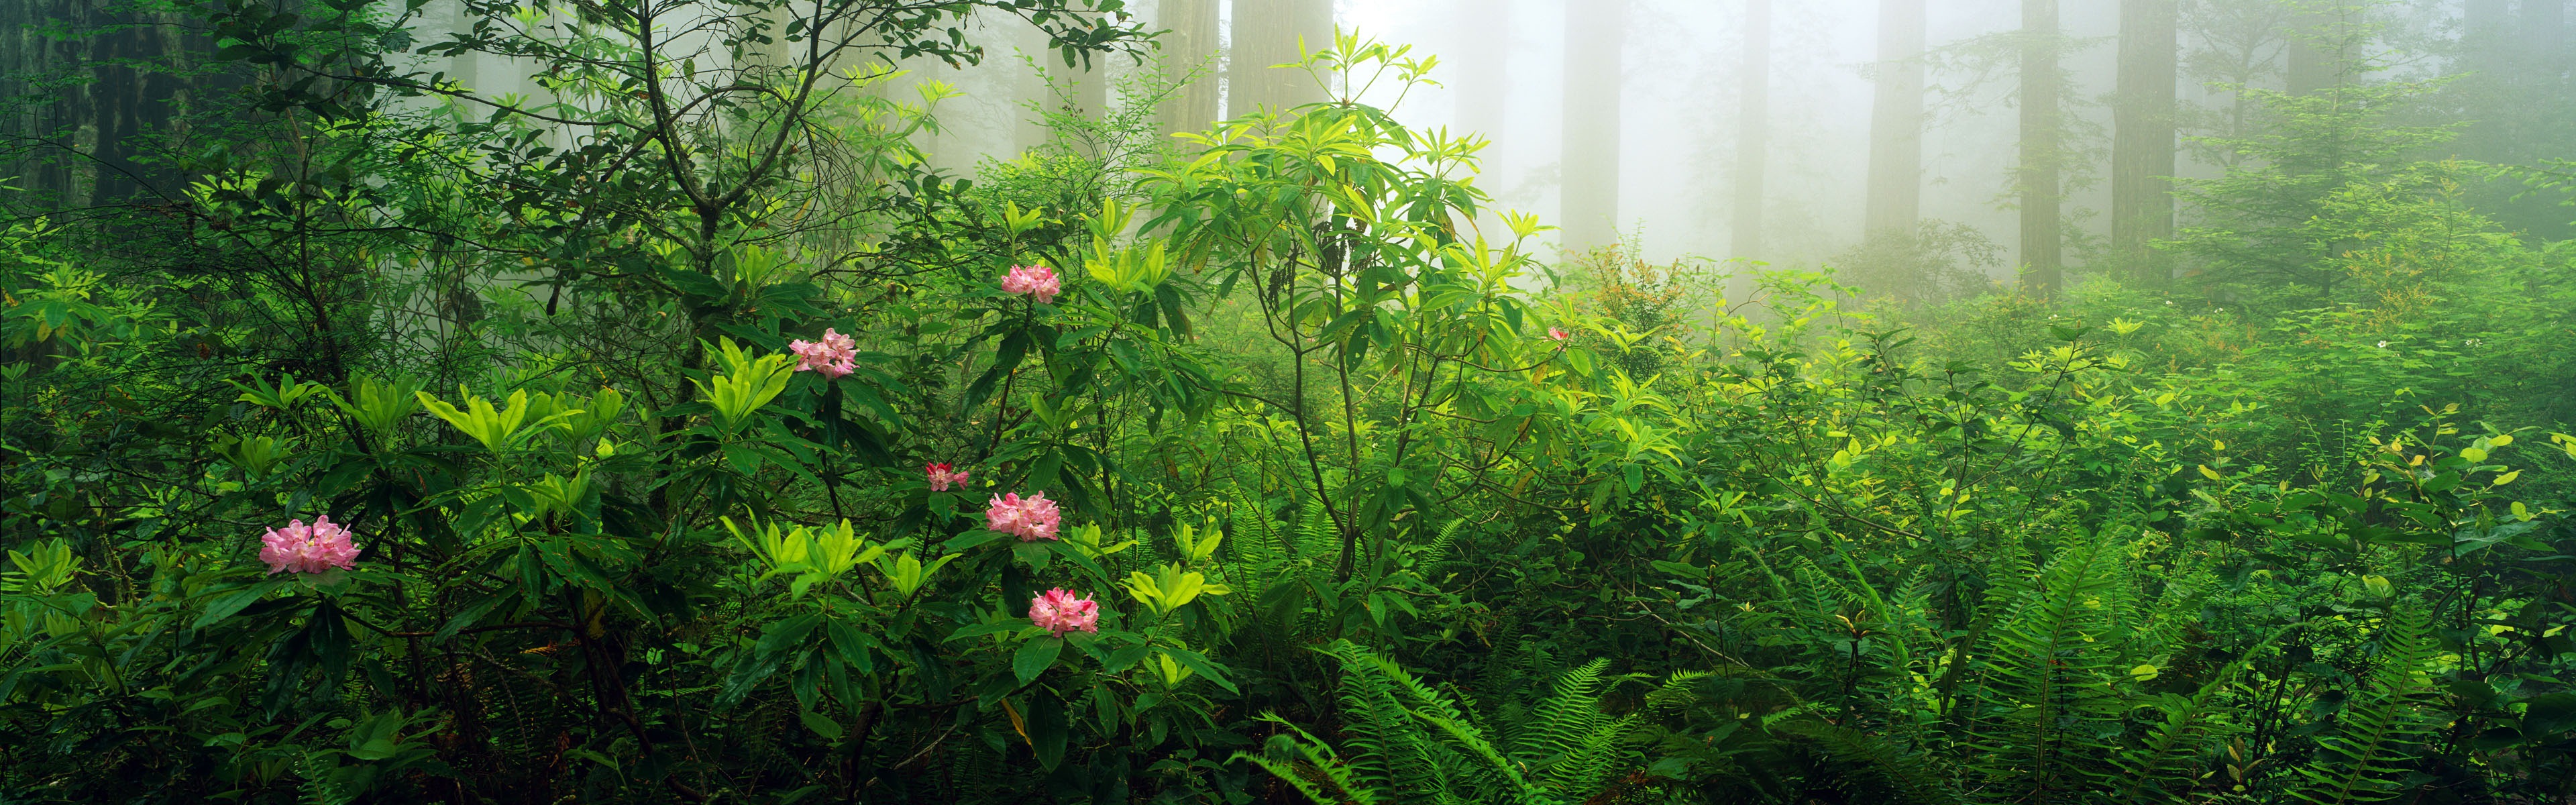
[(2142, 145), (1896, 121), (1191, 46), (1753, 128), (1594, 30), (1267, 33), (2040, 90)]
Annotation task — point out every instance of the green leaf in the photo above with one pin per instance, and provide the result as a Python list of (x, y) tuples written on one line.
[(969, 539), (982, 629), (1035, 657), (784, 634), (1205, 667), (1124, 658), (225, 607), (1075, 555), (826, 727)]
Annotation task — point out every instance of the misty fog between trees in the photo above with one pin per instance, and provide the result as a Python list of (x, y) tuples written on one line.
[(1400, 402)]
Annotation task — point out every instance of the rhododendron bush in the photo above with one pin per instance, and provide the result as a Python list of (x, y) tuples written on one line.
[(689, 437)]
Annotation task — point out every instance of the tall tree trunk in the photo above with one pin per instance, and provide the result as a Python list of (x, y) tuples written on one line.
[(2308, 55), (2544, 31), (1753, 129), (1190, 47), (2040, 247), (1594, 30), (1896, 121), (2483, 36), (1081, 89), (1484, 49), (2142, 145), (1267, 33), (115, 94)]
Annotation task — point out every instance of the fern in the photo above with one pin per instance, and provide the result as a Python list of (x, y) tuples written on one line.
[(2164, 766), (2381, 726), (1909, 775), (2048, 681), (1573, 744), (1406, 743)]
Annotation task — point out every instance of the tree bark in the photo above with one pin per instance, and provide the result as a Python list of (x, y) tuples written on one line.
[(1191, 46), (2142, 146), (1589, 197), (1753, 129), (1267, 33), (2544, 29), (1896, 121), (119, 89), (2040, 193), (1484, 57), (2308, 61)]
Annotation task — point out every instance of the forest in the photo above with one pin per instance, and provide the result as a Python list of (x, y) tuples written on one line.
[(1376, 402)]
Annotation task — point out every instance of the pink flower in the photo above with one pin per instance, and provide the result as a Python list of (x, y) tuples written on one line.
[(1031, 518), (1060, 611), (1558, 334), (308, 549), (1034, 281), (834, 356), (941, 477)]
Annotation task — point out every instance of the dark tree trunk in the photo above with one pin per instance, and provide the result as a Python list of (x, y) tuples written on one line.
[(2308, 56), (88, 114), (1896, 121), (1267, 33), (2544, 30), (2142, 146), (2040, 193), (1191, 46), (1594, 30), (1753, 128)]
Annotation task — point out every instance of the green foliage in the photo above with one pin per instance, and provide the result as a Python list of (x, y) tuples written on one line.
[(1358, 504), (1407, 743)]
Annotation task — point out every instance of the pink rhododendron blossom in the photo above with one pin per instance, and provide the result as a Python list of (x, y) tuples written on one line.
[(1031, 518), (1033, 281), (941, 477), (1060, 611), (834, 356), (1558, 334), (304, 548)]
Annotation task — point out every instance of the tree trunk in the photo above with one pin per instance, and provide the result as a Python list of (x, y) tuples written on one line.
[(2482, 36), (2544, 30), (117, 92), (1753, 128), (1484, 56), (2142, 146), (1896, 121), (1268, 33), (1590, 195), (2040, 226), (1191, 46), (2308, 55)]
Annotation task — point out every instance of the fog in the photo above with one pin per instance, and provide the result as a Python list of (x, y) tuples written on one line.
[(1680, 68)]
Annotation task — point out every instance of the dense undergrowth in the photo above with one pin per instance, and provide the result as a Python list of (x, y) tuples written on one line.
[(1376, 500)]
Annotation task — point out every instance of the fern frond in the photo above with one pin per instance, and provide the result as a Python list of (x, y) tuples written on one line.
[(1322, 775), (2381, 726), (1911, 776)]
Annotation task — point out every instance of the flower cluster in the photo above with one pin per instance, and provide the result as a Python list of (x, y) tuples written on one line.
[(1033, 281), (1060, 611), (942, 476), (1558, 334), (302, 548), (1030, 518), (835, 356)]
